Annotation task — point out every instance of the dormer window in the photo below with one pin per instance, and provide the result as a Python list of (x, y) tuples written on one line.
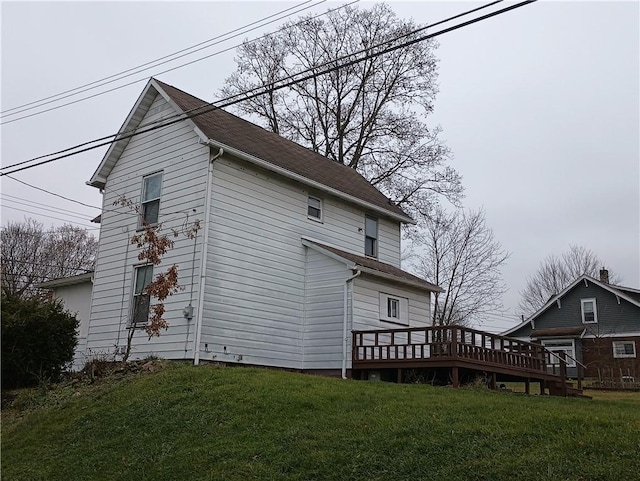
[(589, 311), (151, 189), (370, 236), (314, 208)]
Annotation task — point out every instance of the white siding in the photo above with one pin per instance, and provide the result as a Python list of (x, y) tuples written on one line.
[(254, 299), (174, 150), (366, 298), (324, 311), (76, 299)]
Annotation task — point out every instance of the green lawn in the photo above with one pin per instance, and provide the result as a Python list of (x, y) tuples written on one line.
[(208, 423)]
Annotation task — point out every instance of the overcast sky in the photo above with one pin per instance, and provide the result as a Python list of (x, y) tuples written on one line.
[(540, 107)]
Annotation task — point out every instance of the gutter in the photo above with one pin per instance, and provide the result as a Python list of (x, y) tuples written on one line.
[(345, 320), (203, 257)]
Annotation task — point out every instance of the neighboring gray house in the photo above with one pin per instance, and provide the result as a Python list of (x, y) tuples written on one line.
[(295, 251), (594, 322), (75, 294)]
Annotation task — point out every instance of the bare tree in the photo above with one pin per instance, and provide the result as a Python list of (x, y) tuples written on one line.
[(367, 115), (31, 255), (556, 273), (459, 253)]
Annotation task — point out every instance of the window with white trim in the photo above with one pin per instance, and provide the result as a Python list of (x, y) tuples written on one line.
[(589, 311), (623, 349), (141, 300), (370, 236), (314, 208), (151, 190), (561, 345), (394, 309)]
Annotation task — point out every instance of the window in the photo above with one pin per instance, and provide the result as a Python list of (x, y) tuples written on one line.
[(394, 309), (624, 349), (314, 208), (564, 345), (370, 236), (151, 188), (141, 299), (589, 311)]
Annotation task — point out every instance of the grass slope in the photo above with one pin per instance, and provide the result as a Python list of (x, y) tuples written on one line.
[(206, 423)]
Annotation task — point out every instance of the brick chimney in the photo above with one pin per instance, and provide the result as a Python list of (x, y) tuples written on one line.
[(604, 275)]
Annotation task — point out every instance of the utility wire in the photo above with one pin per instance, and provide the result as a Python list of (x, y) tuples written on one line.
[(20, 261), (139, 80), (152, 62), (32, 203), (146, 79), (272, 87), (52, 217), (52, 193)]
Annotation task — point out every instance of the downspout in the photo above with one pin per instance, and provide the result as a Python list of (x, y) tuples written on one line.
[(203, 257), (345, 320)]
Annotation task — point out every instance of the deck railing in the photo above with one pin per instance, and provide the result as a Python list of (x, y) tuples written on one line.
[(453, 343)]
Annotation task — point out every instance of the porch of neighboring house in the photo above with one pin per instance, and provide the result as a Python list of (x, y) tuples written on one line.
[(455, 355)]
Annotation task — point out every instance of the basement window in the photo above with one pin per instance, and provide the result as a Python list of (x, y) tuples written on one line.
[(589, 311), (622, 349)]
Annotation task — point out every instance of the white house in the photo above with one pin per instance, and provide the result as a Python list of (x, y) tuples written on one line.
[(295, 251)]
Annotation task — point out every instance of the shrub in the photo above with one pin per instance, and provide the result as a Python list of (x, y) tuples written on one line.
[(38, 341)]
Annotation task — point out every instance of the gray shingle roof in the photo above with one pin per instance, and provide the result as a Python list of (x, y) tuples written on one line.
[(252, 139), (381, 267)]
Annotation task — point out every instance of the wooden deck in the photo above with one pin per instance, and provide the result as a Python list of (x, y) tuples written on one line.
[(457, 349)]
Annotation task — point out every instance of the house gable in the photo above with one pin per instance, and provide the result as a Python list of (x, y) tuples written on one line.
[(616, 310), (255, 144)]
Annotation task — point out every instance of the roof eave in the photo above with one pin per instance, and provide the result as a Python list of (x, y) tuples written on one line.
[(66, 281), (373, 272), (312, 183), (399, 280), (139, 109)]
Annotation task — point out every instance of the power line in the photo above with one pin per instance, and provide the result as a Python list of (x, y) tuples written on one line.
[(271, 87), (20, 261), (139, 80), (33, 203), (153, 61), (47, 209), (51, 217), (52, 193), (209, 106)]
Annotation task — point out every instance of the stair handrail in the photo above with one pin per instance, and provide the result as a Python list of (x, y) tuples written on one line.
[(564, 362)]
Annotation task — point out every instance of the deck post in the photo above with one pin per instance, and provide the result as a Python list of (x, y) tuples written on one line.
[(527, 387), (399, 379), (492, 381), (354, 347), (563, 372), (454, 375), (454, 343)]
